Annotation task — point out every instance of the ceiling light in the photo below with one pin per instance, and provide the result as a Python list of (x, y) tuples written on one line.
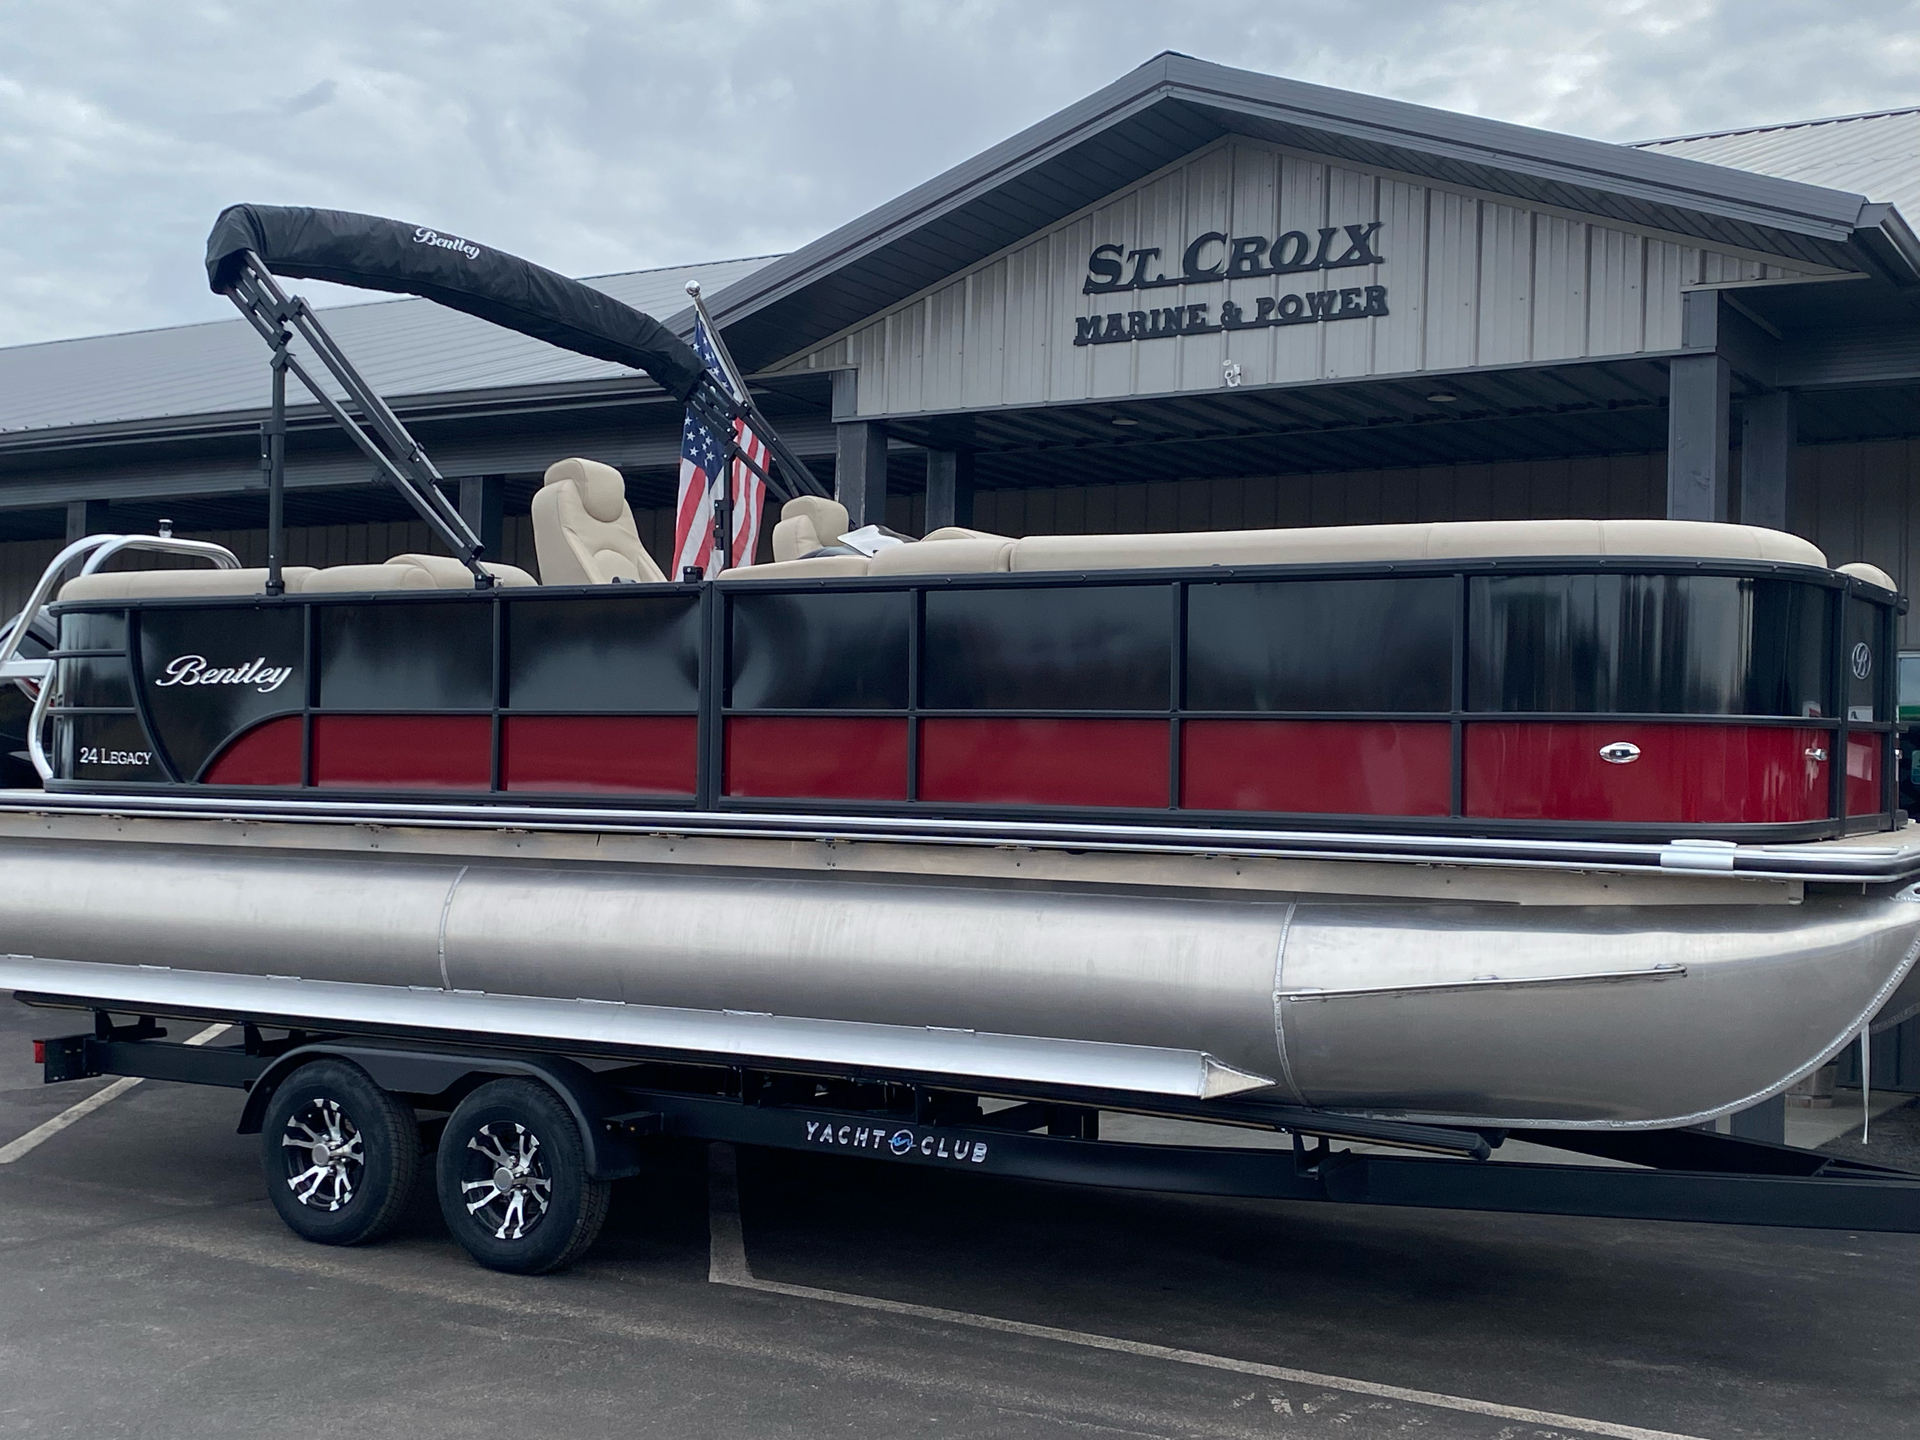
[(1125, 420), (1443, 397)]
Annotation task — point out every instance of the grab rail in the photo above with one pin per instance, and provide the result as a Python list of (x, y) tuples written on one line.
[(98, 549)]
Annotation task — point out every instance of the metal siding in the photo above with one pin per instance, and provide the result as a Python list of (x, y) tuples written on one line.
[(1302, 197), (1070, 366), (1349, 346), (1162, 224), (1113, 364), (1255, 200), (1559, 288), (946, 340), (1209, 185), (1505, 318), (1399, 341), (1029, 325), (985, 342), (1670, 269), (1615, 295), (906, 358), (1453, 279)]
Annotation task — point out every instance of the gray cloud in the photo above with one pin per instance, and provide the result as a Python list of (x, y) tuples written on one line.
[(602, 135)]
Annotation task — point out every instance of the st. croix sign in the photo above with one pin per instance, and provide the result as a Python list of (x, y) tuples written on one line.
[(1216, 257)]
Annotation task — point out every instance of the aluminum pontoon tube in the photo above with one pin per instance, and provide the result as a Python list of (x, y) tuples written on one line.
[(1469, 1012)]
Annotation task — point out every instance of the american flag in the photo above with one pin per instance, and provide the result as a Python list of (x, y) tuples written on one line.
[(702, 454)]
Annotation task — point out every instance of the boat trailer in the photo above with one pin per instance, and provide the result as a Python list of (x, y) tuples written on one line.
[(620, 1108)]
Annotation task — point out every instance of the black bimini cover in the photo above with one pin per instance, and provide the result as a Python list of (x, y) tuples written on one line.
[(378, 254)]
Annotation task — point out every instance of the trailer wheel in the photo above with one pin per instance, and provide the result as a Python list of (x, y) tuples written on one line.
[(341, 1155), (513, 1182)]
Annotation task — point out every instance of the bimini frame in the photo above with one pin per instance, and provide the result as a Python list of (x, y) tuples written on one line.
[(251, 244)]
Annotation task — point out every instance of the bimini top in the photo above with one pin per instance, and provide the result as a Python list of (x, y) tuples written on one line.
[(960, 551), (378, 254)]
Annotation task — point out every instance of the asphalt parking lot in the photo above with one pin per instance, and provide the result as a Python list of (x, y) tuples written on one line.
[(147, 1289)]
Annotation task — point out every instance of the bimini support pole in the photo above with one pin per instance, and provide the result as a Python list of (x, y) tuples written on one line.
[(399, 457), (273, 461)]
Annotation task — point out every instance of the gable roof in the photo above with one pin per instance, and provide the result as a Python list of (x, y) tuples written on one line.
[(1173, 105), (1877, 153), (405, 348)]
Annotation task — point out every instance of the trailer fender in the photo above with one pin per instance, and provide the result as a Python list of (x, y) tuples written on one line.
[(610, 1152)]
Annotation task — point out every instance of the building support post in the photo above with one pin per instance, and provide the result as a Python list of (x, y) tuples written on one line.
[(1767, 429), (483, 505), (859, 456), (1699, 392), (84, 518), (949, 488)]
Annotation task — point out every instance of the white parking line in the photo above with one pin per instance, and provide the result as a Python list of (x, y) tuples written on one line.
[(47, 1129), (727, 1265)]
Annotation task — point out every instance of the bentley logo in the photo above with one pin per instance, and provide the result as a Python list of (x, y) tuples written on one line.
[(1862, 661), (194, 670), (424, 236)]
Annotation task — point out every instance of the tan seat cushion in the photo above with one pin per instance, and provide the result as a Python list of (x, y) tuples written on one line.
[(982, 555), (823, 567), (1872, 574), (141, 584), (449, 574), (359, 579), (808, 522), (583, 530), (1449, 540), (409, 572)]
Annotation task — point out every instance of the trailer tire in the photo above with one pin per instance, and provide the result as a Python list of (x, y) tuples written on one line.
[(341, 1155), (513, 1182)]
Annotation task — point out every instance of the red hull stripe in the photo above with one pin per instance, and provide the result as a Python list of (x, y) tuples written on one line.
[(1045, 762), (1863, 774), (403, 752), (1685, 774), (817, 757), (268, 754), (1316, 767), (600, 754)]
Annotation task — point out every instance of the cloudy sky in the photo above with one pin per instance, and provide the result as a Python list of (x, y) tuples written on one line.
[(605, 135)]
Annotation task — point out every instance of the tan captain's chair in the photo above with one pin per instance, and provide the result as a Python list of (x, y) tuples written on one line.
[(808, 522), (583, 531)]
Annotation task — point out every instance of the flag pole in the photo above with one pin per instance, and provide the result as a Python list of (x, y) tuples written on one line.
[(798, 475), (721, 486)]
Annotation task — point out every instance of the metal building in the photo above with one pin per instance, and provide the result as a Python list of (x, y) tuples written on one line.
[(1199, 298)]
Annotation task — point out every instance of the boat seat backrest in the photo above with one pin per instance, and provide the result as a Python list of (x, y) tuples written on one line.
[(142, 584), (583, 530), (808, 522)]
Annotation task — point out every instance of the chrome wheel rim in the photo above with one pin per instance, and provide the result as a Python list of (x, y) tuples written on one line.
[(504, 1183), (326, 1158)]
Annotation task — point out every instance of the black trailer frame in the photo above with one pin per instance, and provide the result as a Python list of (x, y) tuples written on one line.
[(1036, 1134)]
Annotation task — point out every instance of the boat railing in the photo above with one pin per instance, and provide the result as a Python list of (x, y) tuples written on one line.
[(92, 552)]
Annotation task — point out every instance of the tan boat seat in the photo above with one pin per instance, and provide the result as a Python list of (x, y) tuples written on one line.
[(820, 567), (409, 572), (1872, 574), (807, 522), (144, 584), (583, 529), (948, 551), (1436, 540)]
